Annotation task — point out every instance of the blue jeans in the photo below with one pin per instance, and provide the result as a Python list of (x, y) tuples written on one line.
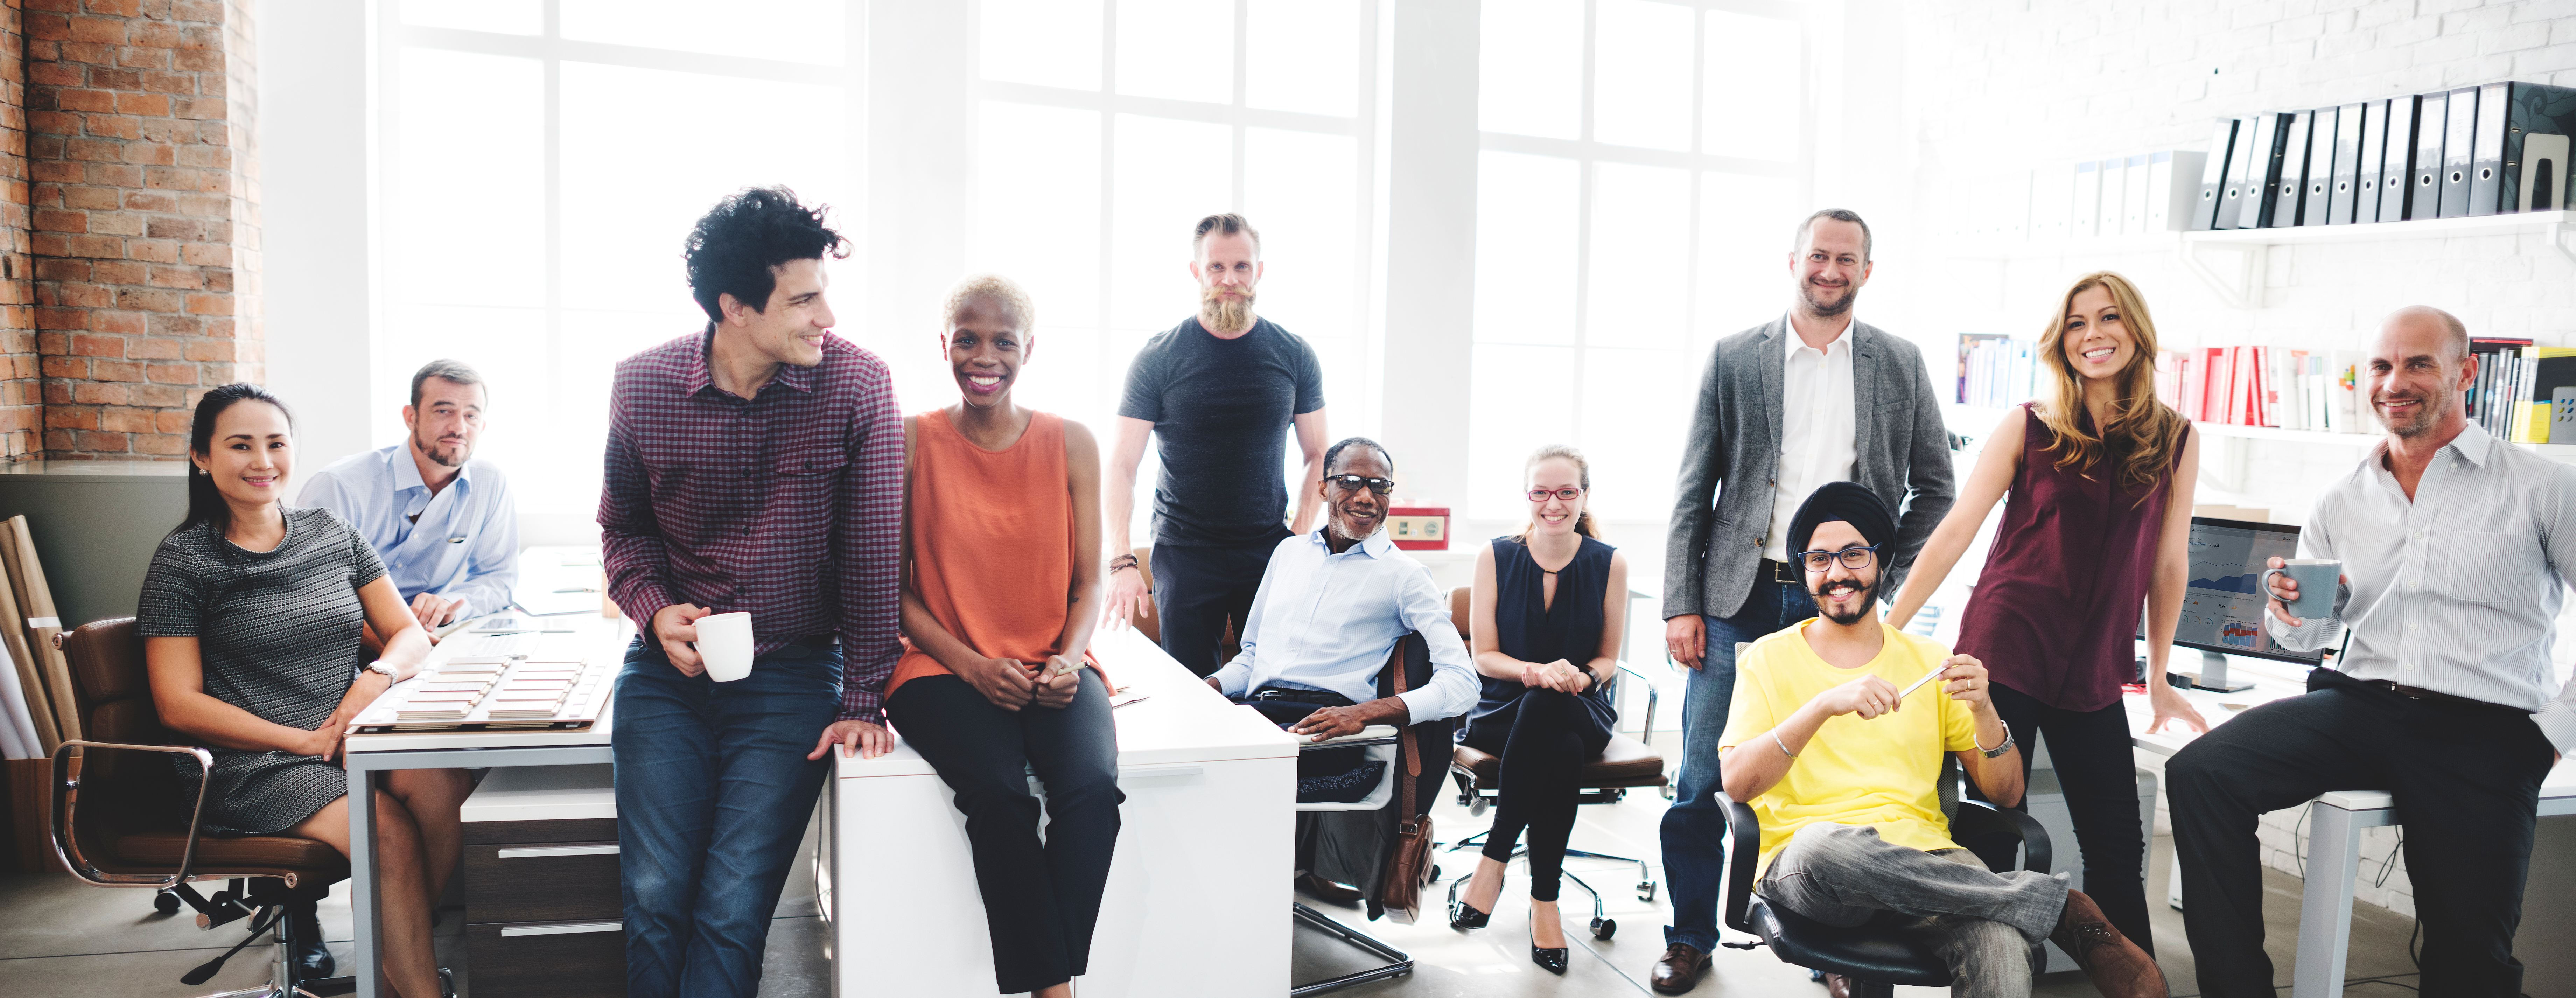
[(1694, 830), (713, 790)]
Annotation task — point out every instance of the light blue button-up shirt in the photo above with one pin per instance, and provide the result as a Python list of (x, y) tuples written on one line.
[(465, 544), (1329, 621)]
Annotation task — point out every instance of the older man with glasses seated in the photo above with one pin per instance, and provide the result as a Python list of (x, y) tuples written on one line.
[(1332, 605)]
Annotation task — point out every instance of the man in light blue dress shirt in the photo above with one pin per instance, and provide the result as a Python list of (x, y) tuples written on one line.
[(443, 522), (1332, 605)]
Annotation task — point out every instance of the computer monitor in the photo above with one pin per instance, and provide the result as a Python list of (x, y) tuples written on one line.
[(2223, 603)]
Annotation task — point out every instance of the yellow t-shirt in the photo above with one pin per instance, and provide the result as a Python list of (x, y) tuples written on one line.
[(1883, 772)]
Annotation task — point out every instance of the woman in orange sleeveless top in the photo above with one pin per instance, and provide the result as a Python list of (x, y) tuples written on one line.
[(1001, 544)]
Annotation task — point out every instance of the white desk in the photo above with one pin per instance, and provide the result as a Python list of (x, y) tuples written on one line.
[(369, 754), (2335, 821), (1198, 892)]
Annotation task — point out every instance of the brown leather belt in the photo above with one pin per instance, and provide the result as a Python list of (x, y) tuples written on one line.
[(2429, 696)]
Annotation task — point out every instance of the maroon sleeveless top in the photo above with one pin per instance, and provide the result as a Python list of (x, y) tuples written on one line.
[(2055, 613)]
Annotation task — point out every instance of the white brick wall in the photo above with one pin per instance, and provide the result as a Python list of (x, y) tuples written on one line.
[(1990, 86)]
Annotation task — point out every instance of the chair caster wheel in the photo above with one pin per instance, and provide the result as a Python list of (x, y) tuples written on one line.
[(1604, 928), (1435, 871), (165, 903), (1645, 890), (1667, 791), (1476, 808)]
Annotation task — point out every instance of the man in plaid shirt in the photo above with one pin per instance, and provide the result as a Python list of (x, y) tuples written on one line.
[(756, 467)]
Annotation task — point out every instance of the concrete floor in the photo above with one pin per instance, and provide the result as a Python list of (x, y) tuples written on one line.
[(62, 938)]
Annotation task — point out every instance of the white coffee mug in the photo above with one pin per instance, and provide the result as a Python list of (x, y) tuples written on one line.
[(724, 643)]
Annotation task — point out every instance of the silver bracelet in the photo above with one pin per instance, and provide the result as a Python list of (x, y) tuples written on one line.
[(1997, 750), (1784, 746)]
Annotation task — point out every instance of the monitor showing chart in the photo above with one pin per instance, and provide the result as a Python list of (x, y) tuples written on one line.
[(2222, 604)]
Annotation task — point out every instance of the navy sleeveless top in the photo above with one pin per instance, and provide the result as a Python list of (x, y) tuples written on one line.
[(1532, 630)]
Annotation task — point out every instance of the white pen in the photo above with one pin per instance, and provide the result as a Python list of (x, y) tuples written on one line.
[(1918, 684)]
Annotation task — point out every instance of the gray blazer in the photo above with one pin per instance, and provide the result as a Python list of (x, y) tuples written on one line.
[(1903, 454)]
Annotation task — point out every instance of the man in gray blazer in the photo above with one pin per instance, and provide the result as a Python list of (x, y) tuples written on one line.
[(1810, 398)]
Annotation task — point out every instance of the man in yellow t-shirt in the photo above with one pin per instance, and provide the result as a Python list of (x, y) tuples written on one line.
[(1841, 767)]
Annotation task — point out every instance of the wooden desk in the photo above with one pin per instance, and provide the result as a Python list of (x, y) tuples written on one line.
[(1198, 897)]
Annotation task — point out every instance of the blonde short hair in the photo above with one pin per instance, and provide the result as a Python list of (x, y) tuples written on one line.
[(1013, 298)]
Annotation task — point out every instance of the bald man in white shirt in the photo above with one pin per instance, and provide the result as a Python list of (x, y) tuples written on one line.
[(2456, 548)]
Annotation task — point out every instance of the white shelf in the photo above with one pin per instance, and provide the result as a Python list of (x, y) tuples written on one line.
[(1975, 422), (2424, 228)]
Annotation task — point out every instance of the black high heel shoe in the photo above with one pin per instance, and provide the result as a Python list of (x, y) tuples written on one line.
[(1464, 916), (1550, 960)]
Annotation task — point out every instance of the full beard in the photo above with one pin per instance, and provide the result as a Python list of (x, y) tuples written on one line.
[(1824, 303), (1868, 599), (1225, 315), (451, 455)]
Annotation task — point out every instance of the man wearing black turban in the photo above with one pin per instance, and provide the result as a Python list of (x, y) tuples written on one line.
[(1844, 779)]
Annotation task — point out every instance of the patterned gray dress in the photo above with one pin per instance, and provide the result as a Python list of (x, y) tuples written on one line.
[(278, 632)]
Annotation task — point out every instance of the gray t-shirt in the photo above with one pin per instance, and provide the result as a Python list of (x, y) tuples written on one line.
[(1221, 410)]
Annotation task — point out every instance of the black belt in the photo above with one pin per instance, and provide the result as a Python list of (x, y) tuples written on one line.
[(2430, 696), (1782, 572), (1295, 694)]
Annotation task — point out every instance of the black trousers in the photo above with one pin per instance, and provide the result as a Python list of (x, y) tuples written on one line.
[(2467, 785), (1198, 589), (1541, 740), (1040, 901), (2098, 772)]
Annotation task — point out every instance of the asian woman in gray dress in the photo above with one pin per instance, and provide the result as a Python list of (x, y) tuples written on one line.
[(251, 617)]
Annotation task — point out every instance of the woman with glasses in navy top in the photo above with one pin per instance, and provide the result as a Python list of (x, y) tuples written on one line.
[(1545, 617)]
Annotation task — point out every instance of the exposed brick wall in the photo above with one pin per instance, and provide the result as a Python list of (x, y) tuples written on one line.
[(21, 399), (144, 217)]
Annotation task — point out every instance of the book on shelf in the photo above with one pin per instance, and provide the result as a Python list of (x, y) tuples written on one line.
[(2316, 390)]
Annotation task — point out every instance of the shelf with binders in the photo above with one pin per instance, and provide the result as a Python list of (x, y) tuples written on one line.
[(1975, 422), (2558, 224)]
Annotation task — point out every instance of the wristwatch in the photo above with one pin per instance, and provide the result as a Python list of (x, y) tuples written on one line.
[(380, 668), (1999, 749)]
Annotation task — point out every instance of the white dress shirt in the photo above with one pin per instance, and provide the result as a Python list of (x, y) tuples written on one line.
[(1328, 621), (2455, 591), (1818, 440), (465, 543)]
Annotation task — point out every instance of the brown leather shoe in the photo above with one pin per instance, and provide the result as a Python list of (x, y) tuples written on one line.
[(1679, 970), (1837, 986), (2119, 969), (1325, 890)]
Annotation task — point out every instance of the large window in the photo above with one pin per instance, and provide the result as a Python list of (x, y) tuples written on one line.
[(543, 160), (1642, 165), (1107, 128)]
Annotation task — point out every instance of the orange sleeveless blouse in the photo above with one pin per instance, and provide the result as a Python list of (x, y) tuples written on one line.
[(992, 542)]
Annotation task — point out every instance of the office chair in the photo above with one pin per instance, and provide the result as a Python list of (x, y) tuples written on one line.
[(1623, 764), (1883, 952), (122, 819), (1383, 743)]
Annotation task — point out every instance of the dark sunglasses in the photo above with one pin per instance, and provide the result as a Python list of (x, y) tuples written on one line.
[(1353, 483)]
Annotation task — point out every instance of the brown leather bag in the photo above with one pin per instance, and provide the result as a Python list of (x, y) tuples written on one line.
[(1408, 865)]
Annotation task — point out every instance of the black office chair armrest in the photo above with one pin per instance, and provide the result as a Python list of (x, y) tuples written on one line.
[(1980, 822), (1743, 851), (67, 847)]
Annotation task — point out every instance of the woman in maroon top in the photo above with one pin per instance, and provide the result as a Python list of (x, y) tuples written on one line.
[(2101, 477)]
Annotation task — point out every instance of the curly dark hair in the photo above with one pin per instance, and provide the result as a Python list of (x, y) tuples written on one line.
[(735, 248)]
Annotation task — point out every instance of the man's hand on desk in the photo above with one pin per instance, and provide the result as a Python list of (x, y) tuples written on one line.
[(867, 741), (1337, 722), (434, 610), (676, 627)]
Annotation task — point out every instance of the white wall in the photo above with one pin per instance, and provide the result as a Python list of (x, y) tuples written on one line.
[(1985, 85), (317, 145)]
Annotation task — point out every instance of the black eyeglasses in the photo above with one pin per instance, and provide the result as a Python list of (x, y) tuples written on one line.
[(1569, 494), (1353, 483), (1854, 558)]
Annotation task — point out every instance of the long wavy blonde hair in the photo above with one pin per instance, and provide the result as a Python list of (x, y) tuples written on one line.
[(2141, 431)]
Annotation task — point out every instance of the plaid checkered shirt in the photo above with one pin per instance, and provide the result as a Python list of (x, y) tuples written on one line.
[(788, 505)]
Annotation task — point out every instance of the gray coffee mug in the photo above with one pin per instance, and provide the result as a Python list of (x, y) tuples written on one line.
[(2317, 579)]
